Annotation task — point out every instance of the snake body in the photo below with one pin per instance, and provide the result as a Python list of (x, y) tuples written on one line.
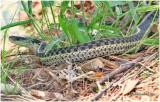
[(97, 48)]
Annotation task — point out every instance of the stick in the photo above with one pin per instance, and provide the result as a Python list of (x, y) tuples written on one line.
[(121, 69), (100, 93)]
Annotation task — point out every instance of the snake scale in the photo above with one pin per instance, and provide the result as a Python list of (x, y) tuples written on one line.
[(97, 48)]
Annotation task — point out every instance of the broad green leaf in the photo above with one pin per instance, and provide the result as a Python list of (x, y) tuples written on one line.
[(63, 25), (74, 31)]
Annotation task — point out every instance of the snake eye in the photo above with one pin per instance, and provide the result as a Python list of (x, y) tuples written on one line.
[(35, 41)]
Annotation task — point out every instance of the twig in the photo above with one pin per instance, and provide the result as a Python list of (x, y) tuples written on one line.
[(121, 69), (118, 59), (98, 95)]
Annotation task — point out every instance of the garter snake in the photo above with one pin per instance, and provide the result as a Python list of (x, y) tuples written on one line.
[(97, 48)]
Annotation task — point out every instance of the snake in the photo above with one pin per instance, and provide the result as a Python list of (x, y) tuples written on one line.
[(96, 48)]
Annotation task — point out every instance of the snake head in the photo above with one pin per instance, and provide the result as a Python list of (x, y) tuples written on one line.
[(28, 42)]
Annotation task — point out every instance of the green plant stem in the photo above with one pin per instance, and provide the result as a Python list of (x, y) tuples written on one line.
[(54, 20)]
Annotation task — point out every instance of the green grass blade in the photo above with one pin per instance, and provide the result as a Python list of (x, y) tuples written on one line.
[(108, 31), (109, 7), (116, 3), (36, 26), (47, 3), (16, 24), (64, 6), (147, 8), (30, 7), (133, 14), (151, 42)]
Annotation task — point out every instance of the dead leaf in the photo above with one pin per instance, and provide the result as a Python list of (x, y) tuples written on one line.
[(92, 65), (129, 85), (38, 94), (97, 63), (145, 98), (46, 95), (154, 28)]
